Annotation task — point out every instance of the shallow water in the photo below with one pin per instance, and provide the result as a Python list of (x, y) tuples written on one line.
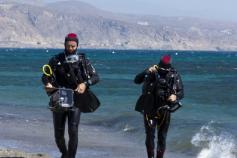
[(208, 111)]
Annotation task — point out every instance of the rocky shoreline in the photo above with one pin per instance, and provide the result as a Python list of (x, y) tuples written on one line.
[(12, 153)]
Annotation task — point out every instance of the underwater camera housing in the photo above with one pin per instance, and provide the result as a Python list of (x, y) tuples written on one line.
[(62, 98)]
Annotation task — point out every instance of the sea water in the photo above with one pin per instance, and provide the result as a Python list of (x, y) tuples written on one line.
[(205, 127)]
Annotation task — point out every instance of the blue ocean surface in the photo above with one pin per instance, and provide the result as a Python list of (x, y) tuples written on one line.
[(205, 127)]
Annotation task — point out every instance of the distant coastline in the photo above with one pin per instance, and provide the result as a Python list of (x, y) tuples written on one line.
[(111, 47), (116, 50)]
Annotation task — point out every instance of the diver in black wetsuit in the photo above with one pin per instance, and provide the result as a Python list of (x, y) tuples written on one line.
[(72, 71), (162, 89)]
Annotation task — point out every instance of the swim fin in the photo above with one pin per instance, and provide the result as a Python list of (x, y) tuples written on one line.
[(86, 102)]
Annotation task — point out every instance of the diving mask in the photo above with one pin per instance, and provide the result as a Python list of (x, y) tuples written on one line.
[(71, 58)]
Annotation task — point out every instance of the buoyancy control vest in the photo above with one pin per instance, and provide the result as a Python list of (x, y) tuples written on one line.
[(157, 91), (68, 74)]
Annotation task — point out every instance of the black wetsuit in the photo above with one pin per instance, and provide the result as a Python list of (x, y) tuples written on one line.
[(69, 75), (152, 120)]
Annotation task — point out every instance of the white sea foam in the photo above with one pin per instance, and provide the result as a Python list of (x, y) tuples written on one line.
[(214, 143)]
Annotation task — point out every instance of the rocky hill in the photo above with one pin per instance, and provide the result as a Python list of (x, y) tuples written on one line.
[(45, 25)]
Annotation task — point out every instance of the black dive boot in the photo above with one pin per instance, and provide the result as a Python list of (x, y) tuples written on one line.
[(150, 153), (64, 156), (160, 153)]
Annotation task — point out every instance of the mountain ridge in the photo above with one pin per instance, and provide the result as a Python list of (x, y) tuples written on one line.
[(45, 26)]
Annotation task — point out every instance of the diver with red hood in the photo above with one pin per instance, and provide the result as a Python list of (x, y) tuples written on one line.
[(162, 90), (70, 70)]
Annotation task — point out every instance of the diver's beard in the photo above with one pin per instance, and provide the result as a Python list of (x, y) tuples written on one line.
[(70, 53)]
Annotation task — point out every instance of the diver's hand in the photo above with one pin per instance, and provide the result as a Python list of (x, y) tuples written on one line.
[(172, 98), (81, 88), (153, 68), (49, 87)]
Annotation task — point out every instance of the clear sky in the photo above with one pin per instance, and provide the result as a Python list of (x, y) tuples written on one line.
[(209, 9)]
